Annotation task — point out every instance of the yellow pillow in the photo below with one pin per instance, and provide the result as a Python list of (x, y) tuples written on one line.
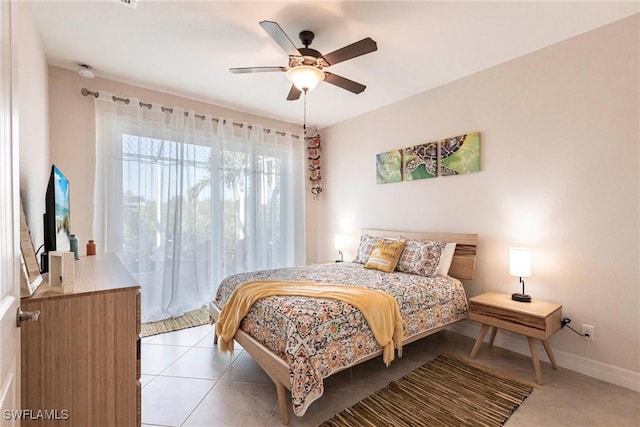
[(385, 256)]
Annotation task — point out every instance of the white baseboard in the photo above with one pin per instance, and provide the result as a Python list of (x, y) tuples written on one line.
[(602, 371)]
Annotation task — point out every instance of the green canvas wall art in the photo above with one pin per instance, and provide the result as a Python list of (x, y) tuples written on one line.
[(420, 161), (460, 154), (450, 156), (389, 167)]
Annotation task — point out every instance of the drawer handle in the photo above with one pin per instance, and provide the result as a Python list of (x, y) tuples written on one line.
[(26, 315)]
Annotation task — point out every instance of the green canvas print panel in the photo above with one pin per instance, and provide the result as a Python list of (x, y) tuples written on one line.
[(389, 167), (420, 161), (460, 154)]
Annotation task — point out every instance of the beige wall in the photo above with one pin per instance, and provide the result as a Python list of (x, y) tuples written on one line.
[(559, 175), (73, 133), (33, 117), (560, 163)]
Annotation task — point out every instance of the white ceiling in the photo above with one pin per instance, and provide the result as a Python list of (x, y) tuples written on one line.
[(186, 47)]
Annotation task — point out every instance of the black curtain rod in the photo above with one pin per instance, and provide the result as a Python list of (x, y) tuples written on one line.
[(86, 92)]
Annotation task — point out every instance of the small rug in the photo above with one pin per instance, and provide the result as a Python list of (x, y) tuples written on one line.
[(446, 391), (197, 317)]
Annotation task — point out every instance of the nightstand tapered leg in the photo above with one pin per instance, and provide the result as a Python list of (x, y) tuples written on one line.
[(535, 359), (492, 338), (481, 335), (552, 359)]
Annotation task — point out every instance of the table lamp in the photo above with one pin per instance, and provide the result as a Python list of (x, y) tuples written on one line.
[(520, 266), (339, 242)]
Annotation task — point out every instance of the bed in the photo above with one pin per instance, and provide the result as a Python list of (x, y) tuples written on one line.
[(298, 341)]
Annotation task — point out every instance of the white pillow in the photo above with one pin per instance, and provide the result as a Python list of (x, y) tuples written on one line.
[(445, 259)]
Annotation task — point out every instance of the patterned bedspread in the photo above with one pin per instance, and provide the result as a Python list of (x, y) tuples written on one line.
[(317, 337)]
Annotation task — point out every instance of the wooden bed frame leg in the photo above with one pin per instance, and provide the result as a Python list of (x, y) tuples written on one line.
[(215, 336), (282, 402)]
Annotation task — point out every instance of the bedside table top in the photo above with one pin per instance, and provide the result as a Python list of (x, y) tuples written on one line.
[(535, 308)]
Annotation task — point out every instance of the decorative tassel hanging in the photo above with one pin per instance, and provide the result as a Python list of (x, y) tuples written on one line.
[(314, 151)]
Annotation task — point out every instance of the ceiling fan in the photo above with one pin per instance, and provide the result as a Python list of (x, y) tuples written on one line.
[(305, 69)]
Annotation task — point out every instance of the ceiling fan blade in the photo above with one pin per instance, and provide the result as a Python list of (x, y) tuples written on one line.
[(256, 69), (280, 37), (351, 51), (294, 93), (344, 83)]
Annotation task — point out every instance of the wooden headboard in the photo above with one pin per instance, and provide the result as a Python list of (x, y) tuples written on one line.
[(463, 265)]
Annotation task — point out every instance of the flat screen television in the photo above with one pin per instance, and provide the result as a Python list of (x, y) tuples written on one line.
[(56, 217)]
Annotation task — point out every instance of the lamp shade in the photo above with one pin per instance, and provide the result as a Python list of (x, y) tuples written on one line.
[(305, 77), (339, 241), (520, 262)]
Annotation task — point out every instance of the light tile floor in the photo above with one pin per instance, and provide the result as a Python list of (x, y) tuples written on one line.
[(187, 382)]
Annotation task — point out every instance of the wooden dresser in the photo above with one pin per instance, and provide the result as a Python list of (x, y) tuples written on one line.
[(81, 358)]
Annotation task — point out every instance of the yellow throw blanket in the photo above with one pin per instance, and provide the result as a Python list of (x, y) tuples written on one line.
[(379, 309)]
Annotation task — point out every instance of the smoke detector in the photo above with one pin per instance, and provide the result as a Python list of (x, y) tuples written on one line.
[(86, 71), (131, 3)]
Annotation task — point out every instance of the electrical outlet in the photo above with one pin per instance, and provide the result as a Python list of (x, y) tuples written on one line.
[(590, 331)]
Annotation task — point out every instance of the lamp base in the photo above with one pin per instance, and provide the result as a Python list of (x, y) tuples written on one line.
[(521, 297)]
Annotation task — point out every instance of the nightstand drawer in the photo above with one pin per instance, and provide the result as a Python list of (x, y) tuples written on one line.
[(536, 327), (500, 313)]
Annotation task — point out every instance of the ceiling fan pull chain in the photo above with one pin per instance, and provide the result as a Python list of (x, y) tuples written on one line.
[(304, 121)]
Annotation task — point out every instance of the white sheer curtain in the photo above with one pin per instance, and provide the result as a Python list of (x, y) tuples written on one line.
[(185, 201)]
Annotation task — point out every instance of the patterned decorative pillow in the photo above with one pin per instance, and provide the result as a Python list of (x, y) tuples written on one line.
[(445, 259), (385, 256), (367, 245), (421, 257)]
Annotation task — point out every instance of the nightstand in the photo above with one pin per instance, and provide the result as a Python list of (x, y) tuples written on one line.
[(535, 320)]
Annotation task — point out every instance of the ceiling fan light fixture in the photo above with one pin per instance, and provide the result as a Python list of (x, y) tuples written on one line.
[(305, 77)]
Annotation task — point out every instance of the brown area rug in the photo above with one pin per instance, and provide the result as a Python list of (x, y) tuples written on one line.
[(446, 391), (197, 317)]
